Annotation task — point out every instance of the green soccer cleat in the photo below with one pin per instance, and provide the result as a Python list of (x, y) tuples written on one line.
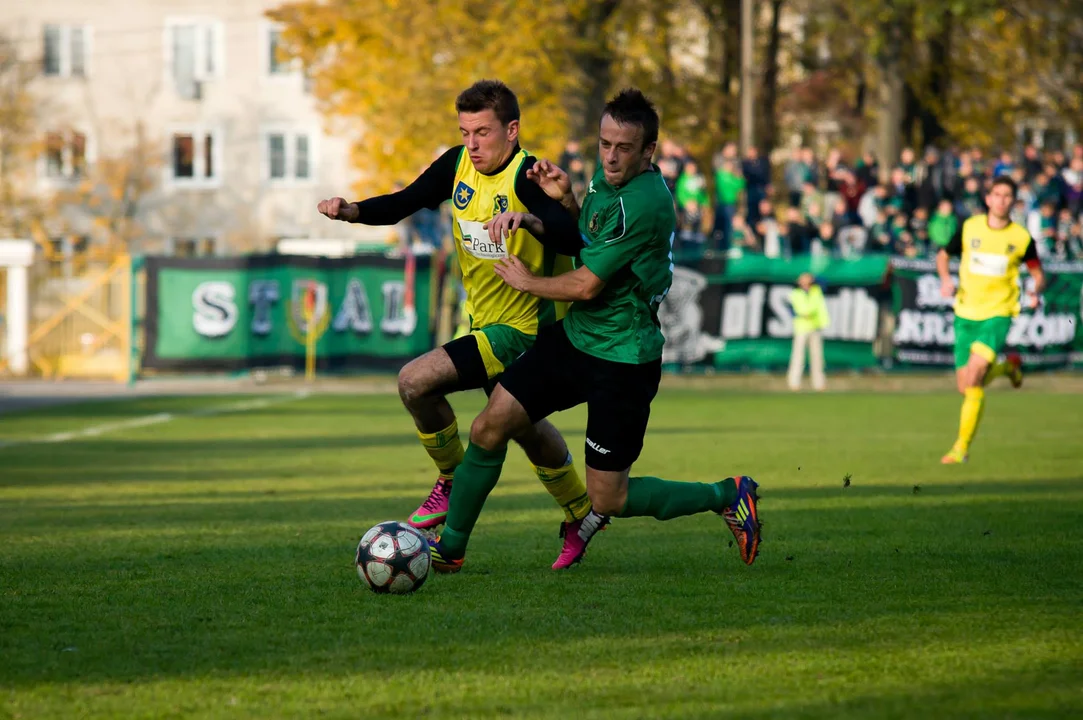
[(440, 563), (743, 519)]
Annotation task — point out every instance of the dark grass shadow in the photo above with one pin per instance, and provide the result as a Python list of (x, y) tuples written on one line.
[(1040, 691), (79, 461)]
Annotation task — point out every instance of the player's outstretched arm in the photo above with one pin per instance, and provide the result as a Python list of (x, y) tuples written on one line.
[(580, 284), (431, 188)]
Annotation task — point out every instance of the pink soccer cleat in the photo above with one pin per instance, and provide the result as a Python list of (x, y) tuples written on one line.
[(577, 535), (433, 511)]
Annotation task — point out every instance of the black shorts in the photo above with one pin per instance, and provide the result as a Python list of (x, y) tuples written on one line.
[(466, 357), (554, 375)]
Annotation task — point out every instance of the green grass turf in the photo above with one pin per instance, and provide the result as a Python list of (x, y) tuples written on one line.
[(203, 568)]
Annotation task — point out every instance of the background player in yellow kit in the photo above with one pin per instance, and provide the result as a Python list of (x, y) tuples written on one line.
[(991, 248), (485, 177)]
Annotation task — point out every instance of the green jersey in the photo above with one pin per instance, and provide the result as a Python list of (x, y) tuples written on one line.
[(628, 233)]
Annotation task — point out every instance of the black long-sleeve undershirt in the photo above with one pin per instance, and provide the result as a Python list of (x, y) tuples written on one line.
[(436, 184)]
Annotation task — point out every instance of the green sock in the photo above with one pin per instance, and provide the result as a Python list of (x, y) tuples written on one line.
[(665, 499), (475, 478)]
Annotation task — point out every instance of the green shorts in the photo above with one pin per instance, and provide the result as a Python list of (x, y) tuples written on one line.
[(984, 338), (499, 345), (482, 355)]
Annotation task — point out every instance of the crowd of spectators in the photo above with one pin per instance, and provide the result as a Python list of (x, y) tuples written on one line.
[(837, 205)]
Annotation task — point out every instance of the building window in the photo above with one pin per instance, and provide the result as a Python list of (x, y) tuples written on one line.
[(195, 157), (54, 155), (67, 256), (190, 247), (276, 149), (275, 65), (288, 155), (184, 156), (300, 157), (194, 54), (64, 156), (65, 50)]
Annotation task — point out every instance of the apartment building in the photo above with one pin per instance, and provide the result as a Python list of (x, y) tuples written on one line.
[(241, 153)]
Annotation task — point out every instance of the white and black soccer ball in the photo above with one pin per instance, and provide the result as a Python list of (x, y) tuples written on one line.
[(393, 557)]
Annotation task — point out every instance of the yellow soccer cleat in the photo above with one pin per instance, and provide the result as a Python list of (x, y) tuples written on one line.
[(1016, 373), (955, 456)]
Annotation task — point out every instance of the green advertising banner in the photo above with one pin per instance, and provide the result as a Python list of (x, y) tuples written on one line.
[(925, 333), (739, 317), (232, 313)]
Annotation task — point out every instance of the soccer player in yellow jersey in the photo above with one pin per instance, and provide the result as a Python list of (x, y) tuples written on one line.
[(990, 249), (488, 180)]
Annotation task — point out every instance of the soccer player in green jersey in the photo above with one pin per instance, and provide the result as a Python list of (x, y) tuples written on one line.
[(606, 352)]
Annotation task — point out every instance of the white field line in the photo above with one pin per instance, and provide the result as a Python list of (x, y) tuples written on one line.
[(156, 419)]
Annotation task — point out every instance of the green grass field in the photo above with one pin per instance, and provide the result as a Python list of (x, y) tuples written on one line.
[(202, 566)]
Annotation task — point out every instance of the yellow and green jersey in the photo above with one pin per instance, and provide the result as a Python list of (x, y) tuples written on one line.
[(989, 263), (475, 199)]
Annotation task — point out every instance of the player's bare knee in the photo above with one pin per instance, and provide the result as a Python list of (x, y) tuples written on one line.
[(487, 431), (607, 501), (408, 386)]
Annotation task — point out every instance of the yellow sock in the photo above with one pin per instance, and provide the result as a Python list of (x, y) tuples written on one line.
[(445, 448), (973, 405), (567, 488), (996, 370)]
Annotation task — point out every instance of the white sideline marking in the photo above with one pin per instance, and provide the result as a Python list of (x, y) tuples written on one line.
[(156, 419)]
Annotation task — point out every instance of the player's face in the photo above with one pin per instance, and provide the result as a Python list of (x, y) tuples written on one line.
[(487, 141), (1000, 201), (620, 148)]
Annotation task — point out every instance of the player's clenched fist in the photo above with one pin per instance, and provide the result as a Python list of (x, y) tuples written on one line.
[(338, 209)]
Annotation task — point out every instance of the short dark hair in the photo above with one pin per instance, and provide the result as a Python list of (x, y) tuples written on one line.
[(631, 107), (1007, 181), (489, 95)]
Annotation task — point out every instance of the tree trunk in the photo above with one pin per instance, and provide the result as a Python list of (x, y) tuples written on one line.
[(769, 138), (891, 96), (595, 66), (912, 110), (731, 63), (939, 81)]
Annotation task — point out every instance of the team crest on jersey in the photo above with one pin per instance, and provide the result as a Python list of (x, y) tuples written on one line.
[(463, 195), (593, 226), (1011, 249), (500, 204), (975, 243)]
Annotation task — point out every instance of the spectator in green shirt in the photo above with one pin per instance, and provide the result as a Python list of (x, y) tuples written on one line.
[(943, 225), (729, 184), (692, 199)]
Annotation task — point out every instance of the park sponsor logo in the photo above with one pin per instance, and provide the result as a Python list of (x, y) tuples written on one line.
[(477, 243)]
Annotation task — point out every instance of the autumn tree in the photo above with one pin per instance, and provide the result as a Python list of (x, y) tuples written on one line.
[(21, 209), (392, 70)]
